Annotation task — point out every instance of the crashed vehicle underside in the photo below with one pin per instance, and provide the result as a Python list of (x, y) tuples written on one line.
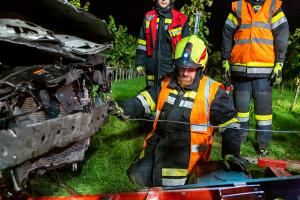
[(52, 81)]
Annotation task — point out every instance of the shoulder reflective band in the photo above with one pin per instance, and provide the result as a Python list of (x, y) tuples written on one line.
[(231, 21), (278, 20)]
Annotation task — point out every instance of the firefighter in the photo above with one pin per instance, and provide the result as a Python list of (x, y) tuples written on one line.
[(162, 28), (187, 104), (255, 39)]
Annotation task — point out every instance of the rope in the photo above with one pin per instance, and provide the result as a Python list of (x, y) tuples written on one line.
[(244, 129)]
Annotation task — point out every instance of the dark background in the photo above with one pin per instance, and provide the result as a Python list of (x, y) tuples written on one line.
[(130, 13)]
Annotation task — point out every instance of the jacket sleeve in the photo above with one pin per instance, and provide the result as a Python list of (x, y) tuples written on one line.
[(144, 104), (223, 114), (140, 59), (280, 30), (229, 29), (185, 30)]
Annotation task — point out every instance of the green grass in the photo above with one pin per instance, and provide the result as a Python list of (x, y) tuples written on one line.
[(117, 144)]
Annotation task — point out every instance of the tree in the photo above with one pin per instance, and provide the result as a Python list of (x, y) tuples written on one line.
[(198, 6), (292, 72), (124, 46)]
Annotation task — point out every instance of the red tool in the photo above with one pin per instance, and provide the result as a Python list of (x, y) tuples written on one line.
[(278, 167)]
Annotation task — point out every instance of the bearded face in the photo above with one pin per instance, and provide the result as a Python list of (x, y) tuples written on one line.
[(186, 76)]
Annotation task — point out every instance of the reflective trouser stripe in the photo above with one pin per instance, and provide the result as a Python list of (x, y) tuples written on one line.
[(263, 120), (243, 117), (232, 125), (173, 181)]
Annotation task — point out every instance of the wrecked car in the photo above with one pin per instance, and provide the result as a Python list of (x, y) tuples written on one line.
[(52, 81)]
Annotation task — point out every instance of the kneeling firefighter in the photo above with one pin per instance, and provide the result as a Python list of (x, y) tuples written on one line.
[(186, 104)]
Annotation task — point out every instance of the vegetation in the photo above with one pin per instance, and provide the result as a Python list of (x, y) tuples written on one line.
[(123, 52), (196, 6), (117, 144)]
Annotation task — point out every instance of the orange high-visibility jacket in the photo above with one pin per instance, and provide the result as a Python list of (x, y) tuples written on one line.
[(253, 50), (201, 132)]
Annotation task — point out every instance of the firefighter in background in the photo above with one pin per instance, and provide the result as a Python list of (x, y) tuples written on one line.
[(255, 40), (162, 28), (171, 150)]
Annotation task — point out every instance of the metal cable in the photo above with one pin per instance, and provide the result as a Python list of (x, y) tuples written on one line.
[(245, 129)]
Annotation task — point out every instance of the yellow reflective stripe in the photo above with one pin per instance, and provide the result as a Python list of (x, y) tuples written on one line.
[(174, 172), (255, 64), (150, 77), (149, 100), (277, 17), (240, 114), (263, 117), (168, 21), (174, 92), (232, 18), (142, 154), (157, 20), (142, 42), (233, 120), (175, 31), (190, 94), (147, 23)]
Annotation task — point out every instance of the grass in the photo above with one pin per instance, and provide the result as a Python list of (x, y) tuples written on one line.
[(117, 144)]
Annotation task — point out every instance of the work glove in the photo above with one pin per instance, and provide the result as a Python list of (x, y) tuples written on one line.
[(276, 76), (232, 162), (226, 67), (140, 70), (115, 109)]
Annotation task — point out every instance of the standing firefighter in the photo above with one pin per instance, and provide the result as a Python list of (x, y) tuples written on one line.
[(162, 28), (187, 105), (255, 40)]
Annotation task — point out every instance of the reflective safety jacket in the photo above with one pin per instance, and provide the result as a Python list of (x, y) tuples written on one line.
[(182, 131), (254, 41), (157, 41)]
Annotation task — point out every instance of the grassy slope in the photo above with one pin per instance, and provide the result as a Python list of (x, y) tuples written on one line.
[(115, 146)]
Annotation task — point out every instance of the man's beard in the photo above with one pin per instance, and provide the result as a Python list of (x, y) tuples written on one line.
[(184, 81)]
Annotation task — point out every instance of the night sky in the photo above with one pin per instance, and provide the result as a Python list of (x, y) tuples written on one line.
[(130, 13)]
